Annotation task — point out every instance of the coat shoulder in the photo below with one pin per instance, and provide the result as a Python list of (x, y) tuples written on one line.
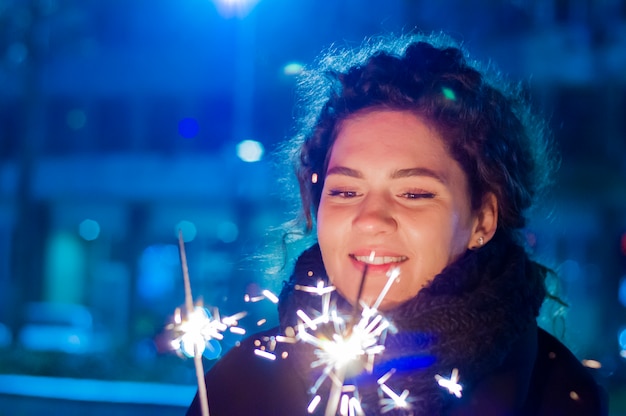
[(242, 382), (561, 385)]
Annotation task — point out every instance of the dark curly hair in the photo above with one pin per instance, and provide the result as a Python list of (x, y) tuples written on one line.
[(487, 124)]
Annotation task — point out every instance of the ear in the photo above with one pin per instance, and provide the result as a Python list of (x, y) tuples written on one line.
[(485, 222)]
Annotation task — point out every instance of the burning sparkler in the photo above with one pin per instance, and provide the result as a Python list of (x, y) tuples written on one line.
[(195, 329), (344, 344)]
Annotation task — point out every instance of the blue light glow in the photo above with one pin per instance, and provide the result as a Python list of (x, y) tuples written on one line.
[(621, 338), (621, 294), (188, 229), (227, 232), (188, 128), (97, 390), (250, 151), (293, 68), (89, 229), (235, 8), (158, 267), (76, 119)]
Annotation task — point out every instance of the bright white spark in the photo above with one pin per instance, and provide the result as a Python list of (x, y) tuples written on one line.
[(194, 331), (392, 276), (265, 354), (313, 404), (270, 296), (393, 400), (320, 289), (340, 345), (452, 384)]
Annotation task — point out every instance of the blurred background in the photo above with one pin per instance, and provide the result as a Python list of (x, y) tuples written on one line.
[(122, 121)]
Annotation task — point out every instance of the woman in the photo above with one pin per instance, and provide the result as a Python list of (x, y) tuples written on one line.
[(412, 160)]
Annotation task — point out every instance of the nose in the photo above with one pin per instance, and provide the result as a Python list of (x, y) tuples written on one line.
[(375, 216)]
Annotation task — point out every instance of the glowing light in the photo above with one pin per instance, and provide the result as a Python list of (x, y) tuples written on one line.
[(237, 330), (188, 128), (621, 294), (188, 230), (293, 68), (227, 231), (89, 229), (235, 8), (265, 354), (76, 119), (622, 338), (270, 296), (592, 364), (452, 384), (193, 333), (341, 344), (17, 53), (393, 400), (448, 93), (250, 151), (313, 404), (314, 178), (320, 289)]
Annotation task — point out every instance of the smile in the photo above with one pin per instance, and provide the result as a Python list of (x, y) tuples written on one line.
[(379, 260)]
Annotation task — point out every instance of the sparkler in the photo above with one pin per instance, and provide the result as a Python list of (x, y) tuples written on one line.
[(344, 344), (195, 329)]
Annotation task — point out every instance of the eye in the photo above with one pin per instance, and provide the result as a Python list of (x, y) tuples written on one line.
[(343, 193), (418, 195)]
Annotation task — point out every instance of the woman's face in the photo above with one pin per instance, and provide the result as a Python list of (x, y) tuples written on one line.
[(391, 189)]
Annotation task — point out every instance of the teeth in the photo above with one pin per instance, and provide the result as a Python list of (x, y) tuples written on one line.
[(379, 260)]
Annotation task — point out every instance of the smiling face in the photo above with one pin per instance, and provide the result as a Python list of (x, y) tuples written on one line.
[(392, 189)]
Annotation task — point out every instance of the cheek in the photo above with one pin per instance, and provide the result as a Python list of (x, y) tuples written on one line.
[(327, 229)]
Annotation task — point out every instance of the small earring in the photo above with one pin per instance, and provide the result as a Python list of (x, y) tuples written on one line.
[(480, 241)]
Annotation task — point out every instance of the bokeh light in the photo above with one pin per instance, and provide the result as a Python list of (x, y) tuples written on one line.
[(621, 294), (76, 119), (188, 127), (250, 151), (227, 231), (89, 229), (235, 8), (188, 229), (158, 267), (16, 53), (293, 68), (621, 338)]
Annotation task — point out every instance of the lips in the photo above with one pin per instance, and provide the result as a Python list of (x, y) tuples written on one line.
[(379, 260)]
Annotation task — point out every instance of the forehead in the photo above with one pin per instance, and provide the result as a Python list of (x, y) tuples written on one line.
[(400, 135)]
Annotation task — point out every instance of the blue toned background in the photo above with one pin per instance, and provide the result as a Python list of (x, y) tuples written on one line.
[(122, 121)]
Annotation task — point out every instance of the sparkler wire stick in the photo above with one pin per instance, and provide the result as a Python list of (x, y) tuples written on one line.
[(197, 358), (340, 373)]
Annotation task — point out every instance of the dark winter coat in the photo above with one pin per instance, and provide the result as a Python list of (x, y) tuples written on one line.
[(477, 316)]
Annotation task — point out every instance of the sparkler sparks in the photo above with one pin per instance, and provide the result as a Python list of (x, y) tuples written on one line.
[(452, 383), (195, 329), (393, 400), (344, 344), (194, 332)]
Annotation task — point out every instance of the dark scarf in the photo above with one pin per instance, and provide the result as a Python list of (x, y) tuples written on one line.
[(467, 318)]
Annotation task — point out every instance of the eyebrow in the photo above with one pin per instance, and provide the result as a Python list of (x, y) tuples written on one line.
[(400, 173)]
